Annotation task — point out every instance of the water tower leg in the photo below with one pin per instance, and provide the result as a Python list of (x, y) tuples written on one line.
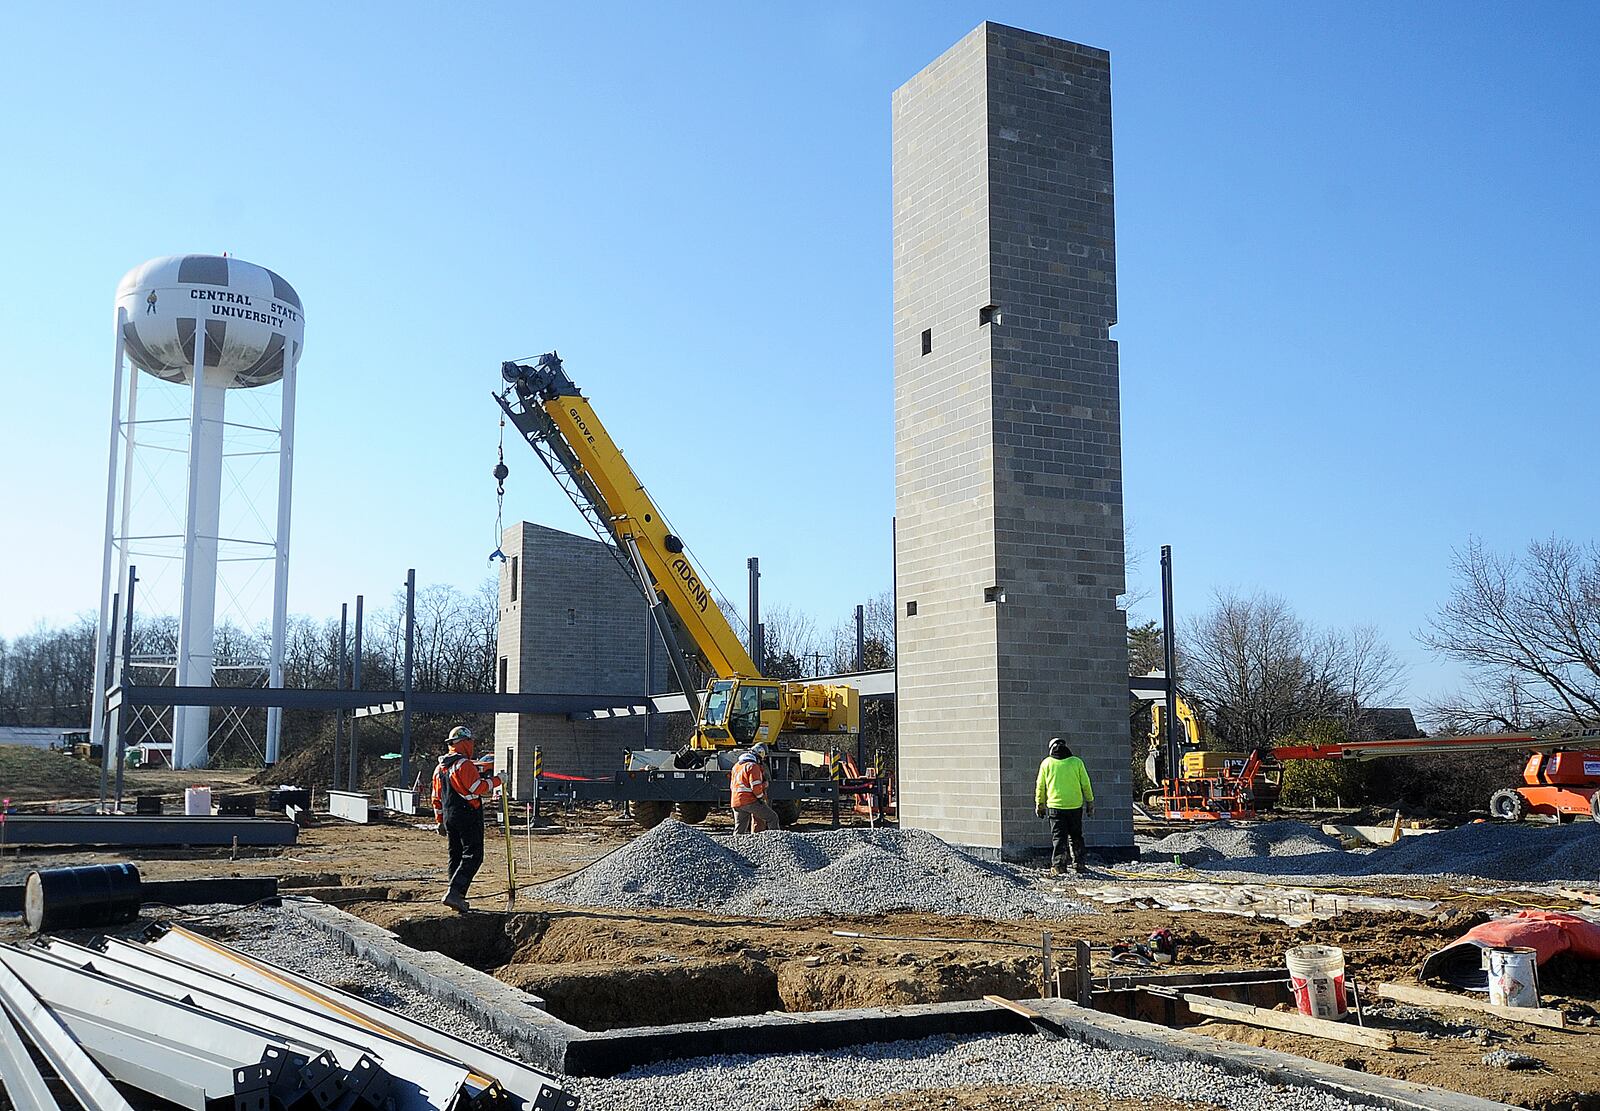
[(280, 581), (102, 654), (197, 614)]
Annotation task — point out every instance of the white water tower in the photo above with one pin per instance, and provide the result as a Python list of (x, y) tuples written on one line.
[(216, 325)]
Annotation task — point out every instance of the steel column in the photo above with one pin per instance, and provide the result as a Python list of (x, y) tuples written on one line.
[(353, 779), (101, 656), (280, 569), (757, 644), (406, 678), (1170, 665)]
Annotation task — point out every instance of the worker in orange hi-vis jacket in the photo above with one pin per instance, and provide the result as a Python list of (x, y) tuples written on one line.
[(751, 814), (459, 788)]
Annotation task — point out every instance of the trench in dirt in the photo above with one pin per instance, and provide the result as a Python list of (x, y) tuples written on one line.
[(597, 980)]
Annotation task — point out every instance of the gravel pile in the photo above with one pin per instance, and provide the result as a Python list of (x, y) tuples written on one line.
[(1481, 851), (795, 1082), (800, 875), (1225, 841)]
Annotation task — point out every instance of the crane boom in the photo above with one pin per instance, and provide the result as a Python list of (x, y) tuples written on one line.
[(558, 421)]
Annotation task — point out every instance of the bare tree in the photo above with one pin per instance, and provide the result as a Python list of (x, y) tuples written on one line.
[(1261, 672), (1528, 630)]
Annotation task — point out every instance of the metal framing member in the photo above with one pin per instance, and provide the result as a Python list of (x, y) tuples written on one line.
[(429, 1079), (537, 1089), (82, 1077), (160, 1046), (20, 1078), (1170, 667), (107, 829), (331, 698)]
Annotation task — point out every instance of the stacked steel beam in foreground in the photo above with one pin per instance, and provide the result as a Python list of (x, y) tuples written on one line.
[(192, 1021)]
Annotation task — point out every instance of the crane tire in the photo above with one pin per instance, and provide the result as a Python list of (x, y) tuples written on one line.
[(650, 813), (693, 812), (1594, 806), (788, 811), (1507, 805)]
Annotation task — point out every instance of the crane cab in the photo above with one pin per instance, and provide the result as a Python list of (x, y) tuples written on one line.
[(740, 712)]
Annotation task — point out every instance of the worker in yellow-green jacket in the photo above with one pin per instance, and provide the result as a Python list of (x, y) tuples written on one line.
[(1063, 794)]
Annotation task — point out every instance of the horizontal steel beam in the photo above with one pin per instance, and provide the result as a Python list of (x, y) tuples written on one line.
[(327, 698), (82, 1077), (529, 1089), (426, 1080), (113, 829), (20, 1078), (688, 786), (168, 1049)]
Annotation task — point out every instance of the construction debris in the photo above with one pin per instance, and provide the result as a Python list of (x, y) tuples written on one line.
[(1293, 906), (1289, 1022), (1428, 997), (800, 875)]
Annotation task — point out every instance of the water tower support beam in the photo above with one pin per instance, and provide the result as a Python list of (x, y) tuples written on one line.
[(197, 614), (97, 706), (280, 579)]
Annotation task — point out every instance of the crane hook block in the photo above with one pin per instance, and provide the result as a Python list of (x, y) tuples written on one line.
[(497, 554)]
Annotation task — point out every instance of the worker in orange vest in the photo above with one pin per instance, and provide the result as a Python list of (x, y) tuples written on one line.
[(751, 814), (459, 788)]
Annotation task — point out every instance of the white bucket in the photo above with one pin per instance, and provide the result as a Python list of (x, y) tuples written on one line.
[(1316, 973), (1513, 976), (197, 802)]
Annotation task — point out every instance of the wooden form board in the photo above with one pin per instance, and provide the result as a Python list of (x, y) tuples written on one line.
[(1428, 997), (1290, 1023)]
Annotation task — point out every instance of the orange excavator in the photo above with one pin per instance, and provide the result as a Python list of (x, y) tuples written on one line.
[(1561, 778)]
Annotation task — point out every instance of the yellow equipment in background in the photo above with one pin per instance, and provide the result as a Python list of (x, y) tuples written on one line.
[(741, 706)]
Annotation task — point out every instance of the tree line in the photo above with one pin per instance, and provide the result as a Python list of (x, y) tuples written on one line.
[(1525, 627)]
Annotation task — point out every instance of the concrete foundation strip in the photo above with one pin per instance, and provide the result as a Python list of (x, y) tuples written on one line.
[(516, 1016), (550, 1043), (1166, 1044)]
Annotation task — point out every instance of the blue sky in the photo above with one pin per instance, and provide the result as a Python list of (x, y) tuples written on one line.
[(1357, 249)]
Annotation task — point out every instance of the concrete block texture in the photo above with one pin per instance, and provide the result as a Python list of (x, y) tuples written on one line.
[(571, 622), (1008, 458)]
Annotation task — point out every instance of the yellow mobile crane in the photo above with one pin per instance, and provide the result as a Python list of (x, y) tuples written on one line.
[(741, 707)]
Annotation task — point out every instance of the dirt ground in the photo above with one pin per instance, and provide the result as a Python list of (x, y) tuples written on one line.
[(605, 968)]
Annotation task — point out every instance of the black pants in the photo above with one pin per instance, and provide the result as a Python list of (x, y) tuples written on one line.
[(464, 826), (1066, 837)]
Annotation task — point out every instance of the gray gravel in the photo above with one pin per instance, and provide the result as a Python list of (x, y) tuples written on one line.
[(800, 875), (1225, 841), (794, 1082), (1517, 853), (288, 940)]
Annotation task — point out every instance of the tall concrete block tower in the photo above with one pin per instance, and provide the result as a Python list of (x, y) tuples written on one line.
[(1008, 444)]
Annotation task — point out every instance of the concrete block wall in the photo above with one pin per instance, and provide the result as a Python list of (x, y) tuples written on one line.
[(948, 652), (571, 622), (1008, 438)]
